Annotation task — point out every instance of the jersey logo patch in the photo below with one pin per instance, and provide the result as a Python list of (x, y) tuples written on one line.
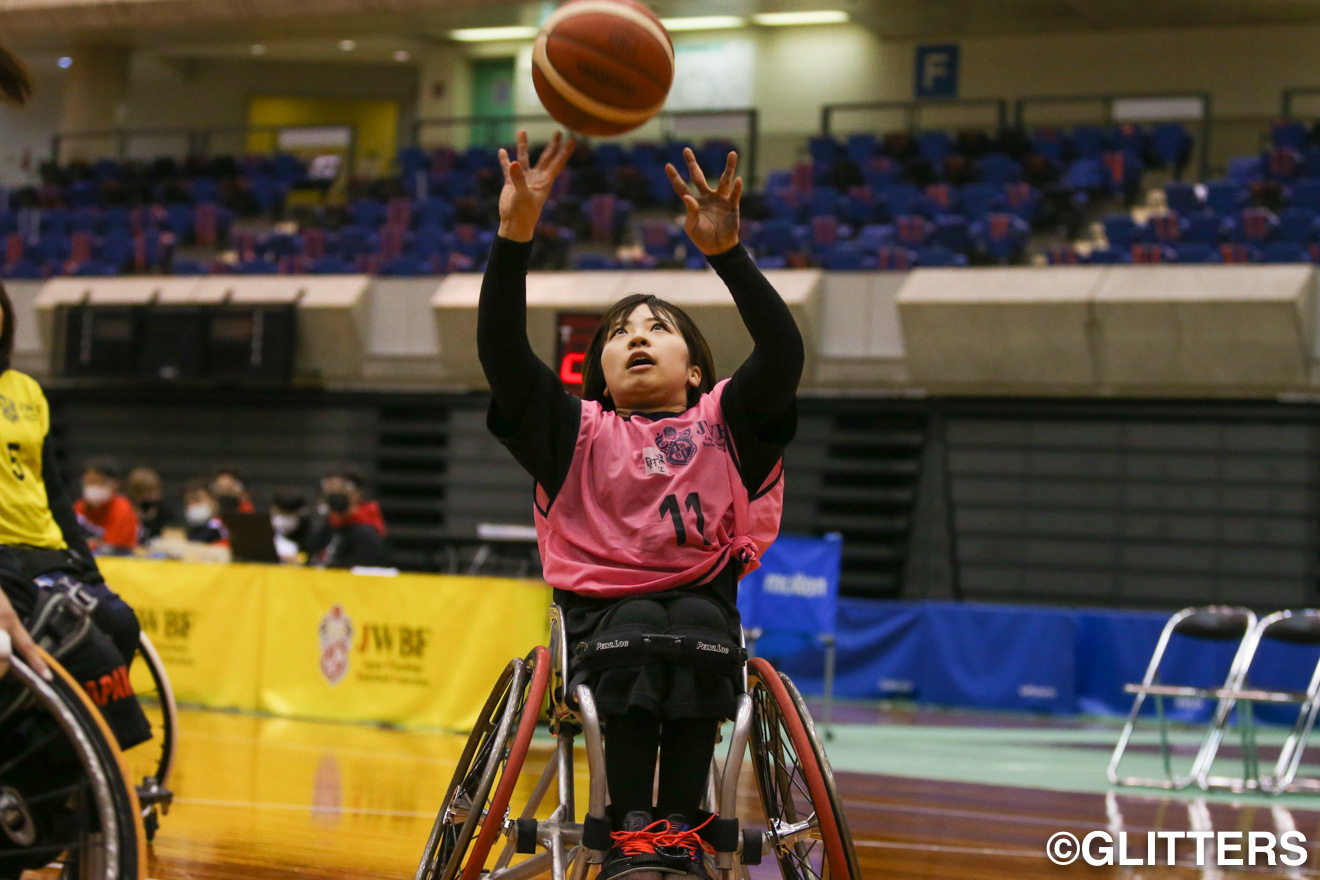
[(677, 446), (654, 461), (8, 408)]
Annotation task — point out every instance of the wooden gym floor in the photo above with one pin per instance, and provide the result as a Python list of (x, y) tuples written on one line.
[(943, 796)]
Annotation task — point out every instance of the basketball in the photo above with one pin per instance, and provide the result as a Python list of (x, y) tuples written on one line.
[(603, 67)]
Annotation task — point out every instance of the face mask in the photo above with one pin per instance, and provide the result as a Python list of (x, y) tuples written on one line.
[(337, 502), (227, 503), (284, 523), (197, 514), (97, 495)]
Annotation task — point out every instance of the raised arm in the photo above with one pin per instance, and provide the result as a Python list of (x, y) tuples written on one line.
[(767, 381), (506, 355)]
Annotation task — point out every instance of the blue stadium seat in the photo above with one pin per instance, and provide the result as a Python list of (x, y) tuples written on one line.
[(1089, 142), (934, 146), (1285, 252), (1297, 224), (951, 233), (1109, 256), (998, 168), (843, 257), (1122, 231), (937, 257), (589, 262), (1288, 134), (1171, 146), (1195, 252), (862, 148), (1305, 194), (1225, 197), (1182, 197), (1203, 227)]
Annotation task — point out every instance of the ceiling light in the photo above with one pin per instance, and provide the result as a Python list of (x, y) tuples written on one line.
[(703, 22), (402, 55), (481, 35), (65, 62), (258, 49), (781, 19), (347, 45)]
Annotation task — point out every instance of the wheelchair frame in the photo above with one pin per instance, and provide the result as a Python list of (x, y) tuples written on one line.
[(569, 848)]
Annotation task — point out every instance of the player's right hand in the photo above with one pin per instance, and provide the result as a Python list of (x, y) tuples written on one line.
[(27, 649), (526, 187)]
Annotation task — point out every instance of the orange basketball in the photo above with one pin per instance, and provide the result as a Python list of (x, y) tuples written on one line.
[(603, 67)]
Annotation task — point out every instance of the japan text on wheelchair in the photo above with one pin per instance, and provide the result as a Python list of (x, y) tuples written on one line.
[(67, 791), (805, 831)]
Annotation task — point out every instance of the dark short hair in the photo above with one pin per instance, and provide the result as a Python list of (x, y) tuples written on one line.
[(699, 355), (15, 80), (288, 498), (106, 467), (345, 472), (7, 331)]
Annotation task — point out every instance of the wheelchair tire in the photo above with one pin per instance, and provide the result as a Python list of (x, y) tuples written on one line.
[(795, 782), (109, 842), (497, 746), (153, 762)]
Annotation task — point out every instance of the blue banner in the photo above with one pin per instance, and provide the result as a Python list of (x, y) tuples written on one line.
[(796, 589), (998, 657)]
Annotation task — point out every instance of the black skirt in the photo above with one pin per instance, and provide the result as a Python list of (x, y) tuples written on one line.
[(662, 689)]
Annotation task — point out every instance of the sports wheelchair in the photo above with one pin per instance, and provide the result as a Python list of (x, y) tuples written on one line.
[(64, 786), (806, 831), (64, 783)]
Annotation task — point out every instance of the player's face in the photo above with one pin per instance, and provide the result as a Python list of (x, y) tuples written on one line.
[(646, 364)]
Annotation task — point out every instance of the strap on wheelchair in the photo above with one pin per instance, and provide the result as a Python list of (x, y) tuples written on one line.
[(632, 645), (62, 620)]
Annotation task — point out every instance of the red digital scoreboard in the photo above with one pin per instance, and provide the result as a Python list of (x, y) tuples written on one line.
[(572, 336)]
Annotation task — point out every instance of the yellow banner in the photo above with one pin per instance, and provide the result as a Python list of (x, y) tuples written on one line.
[(410, 649), (414, 650), (205, 621)]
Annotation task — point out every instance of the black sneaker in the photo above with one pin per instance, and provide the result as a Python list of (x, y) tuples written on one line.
[(684, 848), (634, 853)]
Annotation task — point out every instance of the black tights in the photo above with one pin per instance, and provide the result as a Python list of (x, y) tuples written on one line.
[(686, 747)]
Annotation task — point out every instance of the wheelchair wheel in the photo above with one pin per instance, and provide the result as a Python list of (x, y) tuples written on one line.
[(152, 762), (809, 832), (64, 787), (496, 748)]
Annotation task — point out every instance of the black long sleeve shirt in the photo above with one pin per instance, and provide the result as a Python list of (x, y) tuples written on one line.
[(537, 419)]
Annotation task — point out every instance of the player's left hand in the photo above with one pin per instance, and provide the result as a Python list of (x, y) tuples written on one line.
[(712, 214)]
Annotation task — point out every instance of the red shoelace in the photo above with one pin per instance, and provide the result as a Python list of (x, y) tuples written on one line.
[(689, 840), (659, 833), (633, 843)]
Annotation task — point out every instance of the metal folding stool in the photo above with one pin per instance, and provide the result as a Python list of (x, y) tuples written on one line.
[(1300, 627), (1213, 623)]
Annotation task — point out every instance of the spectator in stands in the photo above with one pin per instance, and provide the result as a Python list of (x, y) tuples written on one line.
[(142, 487), (356, 528), (299, 531), (200, 513), (228, 491), (104, 513)]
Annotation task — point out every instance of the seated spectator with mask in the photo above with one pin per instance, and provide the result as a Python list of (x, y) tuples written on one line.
[(299, 531), (356, 527), (201, 514), (142, 487), (106, 515), (228, 491)]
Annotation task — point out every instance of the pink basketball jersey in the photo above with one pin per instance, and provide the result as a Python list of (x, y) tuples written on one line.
[(653, 505)]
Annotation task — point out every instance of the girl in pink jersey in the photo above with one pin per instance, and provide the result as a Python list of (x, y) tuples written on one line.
[(654, 493)]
